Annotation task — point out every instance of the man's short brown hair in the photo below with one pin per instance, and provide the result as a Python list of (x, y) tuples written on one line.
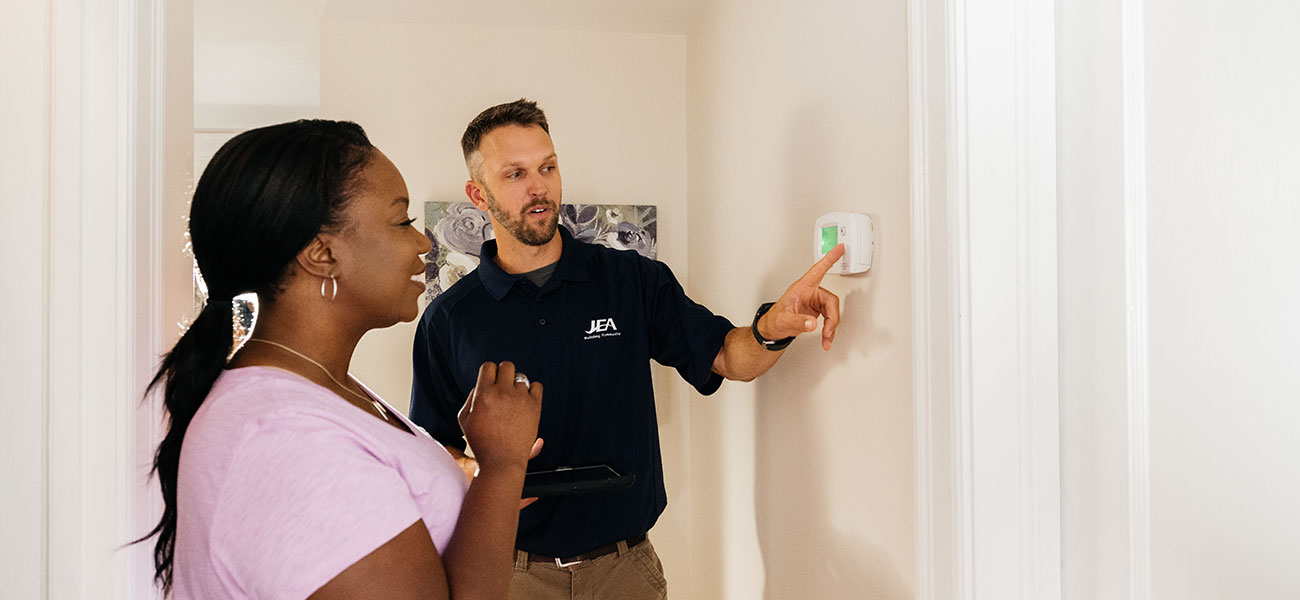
[(522, 112)]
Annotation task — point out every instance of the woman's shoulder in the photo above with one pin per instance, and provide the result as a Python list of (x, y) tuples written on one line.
[(270, 390), (265, 378), (250, 402)]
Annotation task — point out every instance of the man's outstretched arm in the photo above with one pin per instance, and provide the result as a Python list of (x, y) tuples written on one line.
[(743, 357)]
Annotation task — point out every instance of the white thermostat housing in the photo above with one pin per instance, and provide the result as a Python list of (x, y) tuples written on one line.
[(854, 230)]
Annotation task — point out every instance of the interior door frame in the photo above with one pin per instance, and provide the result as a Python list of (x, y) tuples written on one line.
[(119, 135), (985, 327)]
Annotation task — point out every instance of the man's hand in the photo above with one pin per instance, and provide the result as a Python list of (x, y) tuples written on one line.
[(537, 448), (796, 311), (742, 358), (470, 466), (466, 462)]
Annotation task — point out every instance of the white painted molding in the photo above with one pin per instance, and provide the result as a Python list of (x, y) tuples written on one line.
[(1133, 64), (927, 534), (104, 169), (152, 86), (1039, 349), (944, 558), (986, 383)]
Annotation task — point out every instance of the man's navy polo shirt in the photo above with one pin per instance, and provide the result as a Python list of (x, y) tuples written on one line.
[(588, 336)]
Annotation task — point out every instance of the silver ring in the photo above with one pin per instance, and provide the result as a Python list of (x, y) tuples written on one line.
[(521, 378)]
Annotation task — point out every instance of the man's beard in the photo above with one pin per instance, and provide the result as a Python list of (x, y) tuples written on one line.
[(539, 234)]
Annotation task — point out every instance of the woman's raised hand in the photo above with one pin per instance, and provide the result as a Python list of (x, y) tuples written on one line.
[(500, 417)]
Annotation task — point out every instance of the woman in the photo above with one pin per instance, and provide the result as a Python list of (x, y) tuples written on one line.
[(283, 477)]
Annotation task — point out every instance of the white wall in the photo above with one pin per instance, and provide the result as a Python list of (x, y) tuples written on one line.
[(802, 482), (254, 65), (616, 103), (1223, 135), (1196, 500), (249, 62)]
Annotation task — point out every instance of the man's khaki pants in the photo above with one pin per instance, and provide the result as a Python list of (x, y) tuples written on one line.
[(629, 574)]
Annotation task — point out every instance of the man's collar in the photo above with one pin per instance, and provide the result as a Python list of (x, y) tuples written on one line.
[(574, 264)]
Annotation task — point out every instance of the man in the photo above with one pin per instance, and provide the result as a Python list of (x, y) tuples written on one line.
[(585, 321)]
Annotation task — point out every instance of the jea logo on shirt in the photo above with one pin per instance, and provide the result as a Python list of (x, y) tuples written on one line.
[(601, 328)]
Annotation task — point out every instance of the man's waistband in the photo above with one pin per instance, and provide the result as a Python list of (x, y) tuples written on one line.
[(594, 554)]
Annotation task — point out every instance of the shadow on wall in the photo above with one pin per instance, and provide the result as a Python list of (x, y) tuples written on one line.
[(805, 556)]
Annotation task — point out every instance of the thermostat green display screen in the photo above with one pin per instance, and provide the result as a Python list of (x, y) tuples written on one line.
[(830, 237)]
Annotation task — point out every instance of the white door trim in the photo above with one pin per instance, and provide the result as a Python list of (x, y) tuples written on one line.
[(983, 137), (943, 507), (104, 260), (1133, 65)]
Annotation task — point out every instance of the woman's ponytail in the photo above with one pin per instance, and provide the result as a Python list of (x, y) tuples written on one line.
[(187, 374)]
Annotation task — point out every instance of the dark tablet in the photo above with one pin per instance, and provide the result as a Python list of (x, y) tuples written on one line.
[(569, 481)]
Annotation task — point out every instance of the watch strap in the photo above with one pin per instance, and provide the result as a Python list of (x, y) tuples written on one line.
[(773, 345)]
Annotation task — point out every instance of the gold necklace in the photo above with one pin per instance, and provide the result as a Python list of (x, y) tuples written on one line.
[(379, 408)]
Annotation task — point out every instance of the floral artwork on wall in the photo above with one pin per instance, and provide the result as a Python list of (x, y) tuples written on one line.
[(457, 231)]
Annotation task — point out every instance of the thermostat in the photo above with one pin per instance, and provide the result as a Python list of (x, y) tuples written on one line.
[(854, 230)]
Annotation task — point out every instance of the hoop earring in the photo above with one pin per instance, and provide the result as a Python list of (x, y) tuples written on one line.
[(333, 293)]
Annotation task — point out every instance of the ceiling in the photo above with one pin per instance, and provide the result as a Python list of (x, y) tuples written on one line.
[(648, 16)]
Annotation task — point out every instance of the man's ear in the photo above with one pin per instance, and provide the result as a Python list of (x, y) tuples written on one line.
[(317, 259), (477, 194)]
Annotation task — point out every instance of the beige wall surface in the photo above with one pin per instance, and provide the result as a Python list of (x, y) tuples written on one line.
[(802, 482), (617, 110)]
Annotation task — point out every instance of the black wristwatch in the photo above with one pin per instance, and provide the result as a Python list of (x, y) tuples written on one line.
[(773, 345)]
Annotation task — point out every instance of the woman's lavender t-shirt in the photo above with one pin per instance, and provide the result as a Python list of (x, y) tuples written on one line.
[(283, 485)]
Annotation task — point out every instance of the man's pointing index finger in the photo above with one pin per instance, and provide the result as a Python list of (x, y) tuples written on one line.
[(820, 268)]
